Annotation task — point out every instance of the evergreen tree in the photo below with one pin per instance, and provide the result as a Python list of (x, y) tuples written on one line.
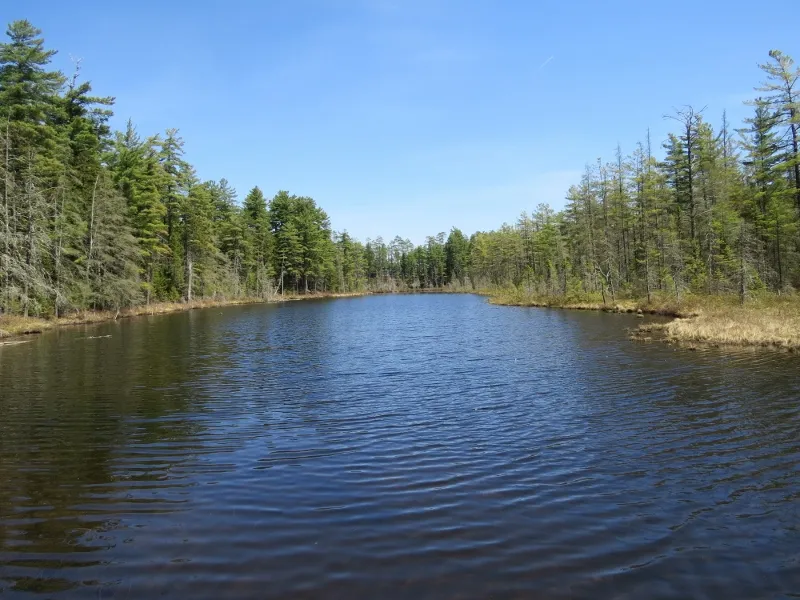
[(139, 178), (768, 205), (456, 257), (783, 87), (258, 242), (199, 247), (112, 258), (28, 103)]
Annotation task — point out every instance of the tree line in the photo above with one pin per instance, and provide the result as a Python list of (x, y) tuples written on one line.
[(718, 214), (96, 219)]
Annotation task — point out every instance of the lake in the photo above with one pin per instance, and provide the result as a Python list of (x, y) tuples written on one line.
[(409, 446)]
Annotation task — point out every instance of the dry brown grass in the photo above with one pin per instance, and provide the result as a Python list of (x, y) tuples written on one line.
[(12, 325), (658, 306), (767, 320), (319, 295)]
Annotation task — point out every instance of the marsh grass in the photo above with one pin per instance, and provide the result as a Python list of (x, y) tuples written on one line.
[(766, 320), (658, 306)]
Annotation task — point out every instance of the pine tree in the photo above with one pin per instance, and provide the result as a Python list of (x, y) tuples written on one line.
[(258, 243), (112, 261), (196, 216), (456, 257), (178, 179), (783, 87), (139, 178), (230, 233), (32, 166), (769, 206)]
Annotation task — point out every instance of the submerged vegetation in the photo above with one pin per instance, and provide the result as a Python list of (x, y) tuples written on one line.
[(95, 220)]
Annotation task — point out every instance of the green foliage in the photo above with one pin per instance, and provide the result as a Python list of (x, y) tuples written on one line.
[(303, 251), (456, 257), (95, 219), (637, 226)]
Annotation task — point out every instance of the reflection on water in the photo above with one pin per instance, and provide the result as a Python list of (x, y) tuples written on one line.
[(400, 446)]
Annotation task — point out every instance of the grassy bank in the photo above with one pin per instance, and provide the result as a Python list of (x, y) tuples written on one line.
[(17, 325), (666, 306), (766, 320)]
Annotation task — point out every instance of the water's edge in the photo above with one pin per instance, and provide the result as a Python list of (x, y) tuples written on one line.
[(14, 327), (692, 324)]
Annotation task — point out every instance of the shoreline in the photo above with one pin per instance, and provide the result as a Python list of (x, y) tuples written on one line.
[(14, 327), (767, 321)]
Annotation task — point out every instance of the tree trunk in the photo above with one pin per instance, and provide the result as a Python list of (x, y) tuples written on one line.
[(602, 288), (7, 219), (190, 272), (59, 230), (691, 179), (91, 234), (796, 151), (149, 284), (29, 246), (742, 273), (778, 251)]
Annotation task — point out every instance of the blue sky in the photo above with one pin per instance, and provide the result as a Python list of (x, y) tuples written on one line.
[(410, 116)]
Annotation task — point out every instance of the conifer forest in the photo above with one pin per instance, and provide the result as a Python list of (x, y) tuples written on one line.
[(92, 218)]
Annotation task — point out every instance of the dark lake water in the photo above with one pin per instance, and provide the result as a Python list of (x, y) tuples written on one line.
[(421, 446)]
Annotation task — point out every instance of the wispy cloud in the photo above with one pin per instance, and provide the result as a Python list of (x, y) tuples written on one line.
[(545, 63)]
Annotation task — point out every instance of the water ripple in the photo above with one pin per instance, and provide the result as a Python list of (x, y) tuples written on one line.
[(403, 447)]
